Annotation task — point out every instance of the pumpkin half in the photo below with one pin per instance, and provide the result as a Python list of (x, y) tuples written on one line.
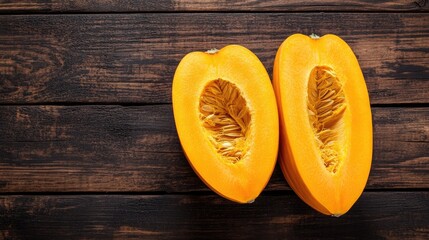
[(227, 121), (325, 121)]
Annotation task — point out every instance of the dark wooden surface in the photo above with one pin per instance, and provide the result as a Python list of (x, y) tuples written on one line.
[(136, 148), (92, 6), (376, 215), (131, 58), (88, 146)]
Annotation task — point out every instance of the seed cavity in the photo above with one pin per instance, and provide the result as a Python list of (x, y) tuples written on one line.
[(225, 116), (326, 106)]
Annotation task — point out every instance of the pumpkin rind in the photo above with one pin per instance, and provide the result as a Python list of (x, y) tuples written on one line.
[(329, 185), (201, 79)]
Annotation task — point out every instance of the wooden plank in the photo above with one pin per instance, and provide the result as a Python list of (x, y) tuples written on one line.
[(136, 148), (45, 6), (115, 58), (376, 215)]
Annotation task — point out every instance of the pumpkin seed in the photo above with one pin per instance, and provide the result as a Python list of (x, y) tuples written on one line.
[(226, 118), (326, 106)]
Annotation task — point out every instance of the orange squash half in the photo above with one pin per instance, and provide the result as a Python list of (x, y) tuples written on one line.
[(227, 121), (325, 121)]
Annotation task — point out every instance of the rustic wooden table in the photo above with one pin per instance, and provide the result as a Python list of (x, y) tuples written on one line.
[(88, 146)]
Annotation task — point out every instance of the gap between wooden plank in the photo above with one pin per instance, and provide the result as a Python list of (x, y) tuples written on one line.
[(137, 104), (203, 192)]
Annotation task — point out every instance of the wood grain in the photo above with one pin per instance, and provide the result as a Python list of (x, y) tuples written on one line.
[(88, 145), (45, 6), (117, 58), (136, 149), (376, 215)]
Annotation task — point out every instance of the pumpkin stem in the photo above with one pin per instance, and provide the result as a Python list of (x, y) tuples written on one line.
[(212, 51), (314, 36)]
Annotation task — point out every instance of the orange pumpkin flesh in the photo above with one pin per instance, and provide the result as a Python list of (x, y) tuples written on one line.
[(325, 121), (227, 121)]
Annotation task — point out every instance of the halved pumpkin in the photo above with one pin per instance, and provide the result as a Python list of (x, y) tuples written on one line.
[(227, 121), (325, 121)]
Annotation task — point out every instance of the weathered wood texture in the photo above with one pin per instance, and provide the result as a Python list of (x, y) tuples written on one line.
[(399, 215), (113, 58), (136, 148), (47, 6), (61, 152)]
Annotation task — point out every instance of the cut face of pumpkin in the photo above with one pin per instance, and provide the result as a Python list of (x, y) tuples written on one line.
[(227, 121), (325, 121)]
